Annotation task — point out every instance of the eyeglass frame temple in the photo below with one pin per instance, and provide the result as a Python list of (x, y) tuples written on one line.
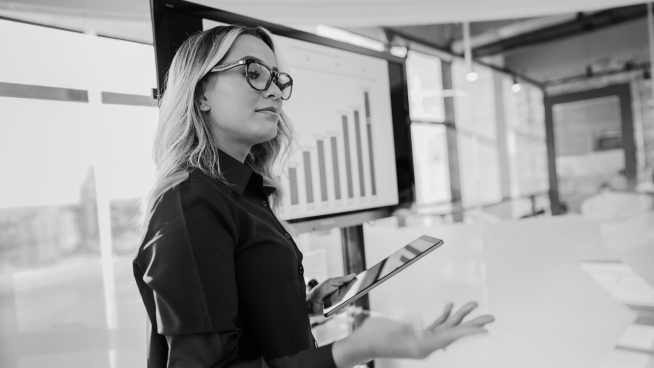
[(224, 67)]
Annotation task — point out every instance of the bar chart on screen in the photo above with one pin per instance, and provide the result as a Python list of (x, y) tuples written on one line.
[(343, 158)]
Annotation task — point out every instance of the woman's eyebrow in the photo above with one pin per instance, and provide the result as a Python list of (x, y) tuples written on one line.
[(261, 61)]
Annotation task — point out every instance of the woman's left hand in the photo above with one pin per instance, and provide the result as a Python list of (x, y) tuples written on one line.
[(317, 294)]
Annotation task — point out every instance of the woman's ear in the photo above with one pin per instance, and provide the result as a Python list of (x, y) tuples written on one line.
[(202, 98), (204, 105)]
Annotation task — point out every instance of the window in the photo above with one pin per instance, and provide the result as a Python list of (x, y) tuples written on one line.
[(75, 142)]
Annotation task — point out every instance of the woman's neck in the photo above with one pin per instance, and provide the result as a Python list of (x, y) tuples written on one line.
[(238, 152)]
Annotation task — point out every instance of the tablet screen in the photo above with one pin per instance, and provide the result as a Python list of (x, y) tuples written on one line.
[(377, 274)]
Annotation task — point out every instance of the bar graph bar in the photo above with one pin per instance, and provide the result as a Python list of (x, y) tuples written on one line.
[(357, 129), (348, 158), (327, 148), (322, 170), (292, 174), (337, 176), (308, 178), (370, 150)]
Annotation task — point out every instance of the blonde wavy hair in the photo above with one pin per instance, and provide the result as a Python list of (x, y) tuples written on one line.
[(183, 139)]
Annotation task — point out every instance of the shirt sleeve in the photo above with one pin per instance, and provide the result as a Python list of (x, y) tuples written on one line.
[(192, 278)]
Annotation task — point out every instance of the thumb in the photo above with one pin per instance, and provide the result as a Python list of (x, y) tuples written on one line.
[(332, 285), (343, 279)]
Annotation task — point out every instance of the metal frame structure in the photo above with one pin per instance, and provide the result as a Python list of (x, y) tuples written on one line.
[(623, 92), (583, 23)]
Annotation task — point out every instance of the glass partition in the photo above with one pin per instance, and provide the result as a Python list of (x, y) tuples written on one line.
[(77, 130)]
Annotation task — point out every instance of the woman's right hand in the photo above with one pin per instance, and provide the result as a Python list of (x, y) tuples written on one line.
[(386, 338)]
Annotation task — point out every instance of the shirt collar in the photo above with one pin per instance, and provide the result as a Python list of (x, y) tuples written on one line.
[(239, 175)]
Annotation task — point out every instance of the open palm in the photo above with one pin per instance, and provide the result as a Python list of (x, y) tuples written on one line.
[(388, 338)]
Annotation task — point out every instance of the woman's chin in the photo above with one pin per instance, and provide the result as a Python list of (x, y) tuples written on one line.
[(264, 135)]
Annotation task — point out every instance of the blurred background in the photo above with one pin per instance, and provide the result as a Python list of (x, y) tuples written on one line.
[(532, 132)]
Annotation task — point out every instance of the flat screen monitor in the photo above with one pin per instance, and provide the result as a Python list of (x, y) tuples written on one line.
[(349, 112)]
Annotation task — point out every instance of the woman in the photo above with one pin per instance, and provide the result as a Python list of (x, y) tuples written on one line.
[(221, 278)]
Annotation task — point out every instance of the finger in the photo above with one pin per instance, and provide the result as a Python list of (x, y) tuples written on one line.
[(478, 322), (442, 339), (443, 317), (461, 332), (446, 313), (461, 314)]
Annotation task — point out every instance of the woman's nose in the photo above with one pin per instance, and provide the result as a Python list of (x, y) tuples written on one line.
[(273, 91)]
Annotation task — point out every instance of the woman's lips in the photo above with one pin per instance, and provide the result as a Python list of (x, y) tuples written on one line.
[(268, 112)]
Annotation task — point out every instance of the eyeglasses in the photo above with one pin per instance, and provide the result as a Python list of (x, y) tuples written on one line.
[(259, 76)]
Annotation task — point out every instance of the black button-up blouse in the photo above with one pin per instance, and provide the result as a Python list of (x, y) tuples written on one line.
[(221, 279)]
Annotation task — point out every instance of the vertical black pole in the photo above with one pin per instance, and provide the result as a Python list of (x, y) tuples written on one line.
[(354, 261), (170, 30)]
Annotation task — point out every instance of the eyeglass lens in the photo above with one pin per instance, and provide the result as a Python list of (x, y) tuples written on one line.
[(258, 75)]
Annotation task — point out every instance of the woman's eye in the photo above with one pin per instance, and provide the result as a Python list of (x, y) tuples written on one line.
[(253, 74)]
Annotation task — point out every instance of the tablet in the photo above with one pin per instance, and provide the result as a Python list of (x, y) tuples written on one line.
[(377, 274)]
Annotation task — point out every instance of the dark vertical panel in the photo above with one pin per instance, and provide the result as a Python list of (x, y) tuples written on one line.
[(160, 39), (401, 133), (170, 30), (452, 145), (354, 261), (354, 255)]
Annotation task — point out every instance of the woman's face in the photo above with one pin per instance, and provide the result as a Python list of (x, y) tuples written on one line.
[(237, 121)]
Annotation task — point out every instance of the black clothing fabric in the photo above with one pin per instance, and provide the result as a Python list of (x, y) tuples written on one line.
[(222, 280)]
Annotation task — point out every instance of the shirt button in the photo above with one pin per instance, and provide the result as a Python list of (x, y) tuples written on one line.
[(301, 269), (265, 204), (287, 235)]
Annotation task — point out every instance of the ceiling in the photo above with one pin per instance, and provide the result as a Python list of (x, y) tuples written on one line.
[(497, 26), (353, 13), (404, 12)]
